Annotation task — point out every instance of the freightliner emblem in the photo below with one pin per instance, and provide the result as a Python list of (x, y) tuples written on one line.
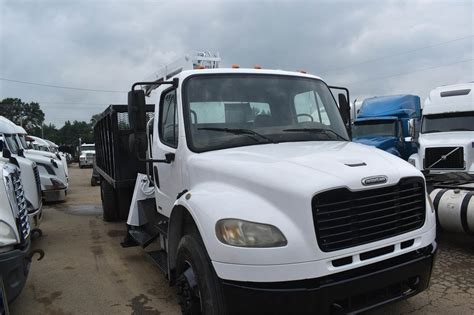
[(373, 180)]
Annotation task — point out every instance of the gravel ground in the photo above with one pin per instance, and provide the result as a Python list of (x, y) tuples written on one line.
[(85, 271)]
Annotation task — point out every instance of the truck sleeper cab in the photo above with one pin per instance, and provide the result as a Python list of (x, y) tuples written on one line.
[(446, 139), (259, 194), (14, 231)]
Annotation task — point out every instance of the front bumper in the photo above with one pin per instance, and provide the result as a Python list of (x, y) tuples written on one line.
[(14, 268), (52, 195), (350, 291)]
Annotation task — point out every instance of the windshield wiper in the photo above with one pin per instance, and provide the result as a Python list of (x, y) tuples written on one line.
[(239, 131), (316, 130)]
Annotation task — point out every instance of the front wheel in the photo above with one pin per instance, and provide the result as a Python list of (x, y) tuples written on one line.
[(199, 288)]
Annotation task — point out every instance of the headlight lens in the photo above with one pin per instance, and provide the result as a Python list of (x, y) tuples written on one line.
[(6, 232), (242, 233)]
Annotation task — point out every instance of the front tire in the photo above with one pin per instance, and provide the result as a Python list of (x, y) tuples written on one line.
[(199, 288)]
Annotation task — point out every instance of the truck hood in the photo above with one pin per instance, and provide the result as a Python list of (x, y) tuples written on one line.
[(301, 168), (379, 142), (459, 138)]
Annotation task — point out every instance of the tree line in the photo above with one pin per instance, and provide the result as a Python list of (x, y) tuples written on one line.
[(31, 117)]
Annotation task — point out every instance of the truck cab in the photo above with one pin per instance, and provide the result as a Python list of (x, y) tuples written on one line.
[(389, 123), (29, 173), (86, 155), (51, 172), (446, 139), (259, 200), (14, 230)]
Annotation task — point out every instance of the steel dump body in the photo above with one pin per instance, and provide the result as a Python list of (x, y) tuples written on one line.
[(115, 163)]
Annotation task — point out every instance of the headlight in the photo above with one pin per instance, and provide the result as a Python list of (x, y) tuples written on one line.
[(6, 232), (241, 233)]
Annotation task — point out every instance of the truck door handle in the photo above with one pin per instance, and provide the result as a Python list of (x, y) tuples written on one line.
[(155, 176)]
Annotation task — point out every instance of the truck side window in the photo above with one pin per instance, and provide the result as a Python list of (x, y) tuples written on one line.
[(168, 124)]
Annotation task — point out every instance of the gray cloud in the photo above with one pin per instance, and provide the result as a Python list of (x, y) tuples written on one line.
[(110, 44)]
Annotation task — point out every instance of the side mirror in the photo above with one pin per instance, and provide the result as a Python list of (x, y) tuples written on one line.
[(408, 139), (411, 127), (345, 110), (21, 153), (136, 110)]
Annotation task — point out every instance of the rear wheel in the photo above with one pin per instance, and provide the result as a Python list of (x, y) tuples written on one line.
[(199, 288), (109, 201)]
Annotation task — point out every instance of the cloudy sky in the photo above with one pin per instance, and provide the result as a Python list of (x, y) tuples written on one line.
[(372, 47)]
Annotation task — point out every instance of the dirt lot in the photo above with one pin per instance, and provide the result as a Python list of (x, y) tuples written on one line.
[(85, 271)]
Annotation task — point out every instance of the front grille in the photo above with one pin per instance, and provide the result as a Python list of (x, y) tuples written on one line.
[(344, 218), (22, 220), (444, 158), (37, 180)]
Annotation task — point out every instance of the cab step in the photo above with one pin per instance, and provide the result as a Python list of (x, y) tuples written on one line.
[(160, 257)]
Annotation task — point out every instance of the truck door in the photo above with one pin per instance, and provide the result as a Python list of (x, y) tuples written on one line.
[(167, 176)]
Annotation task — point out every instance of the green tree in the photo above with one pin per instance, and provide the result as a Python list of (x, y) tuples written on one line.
[(28, 115)]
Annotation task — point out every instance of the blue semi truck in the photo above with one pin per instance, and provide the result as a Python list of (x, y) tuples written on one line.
[(389, 123)]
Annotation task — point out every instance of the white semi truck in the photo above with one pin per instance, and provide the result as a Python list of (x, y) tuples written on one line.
[(52, 172), (14, 230), (446, 154), (29, 173), (46, 148), (257, 197)]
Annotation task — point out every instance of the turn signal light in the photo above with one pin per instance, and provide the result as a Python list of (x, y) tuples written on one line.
[(302, 71), (235, 66), (257, 67)]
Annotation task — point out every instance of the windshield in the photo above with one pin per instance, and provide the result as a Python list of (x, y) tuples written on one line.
[(22, 141), (223, 111), (87, 148), (374, 128), (463, 121), (11, 144)]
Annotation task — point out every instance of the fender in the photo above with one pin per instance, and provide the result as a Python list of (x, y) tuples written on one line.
[(205, 207), (415, 160)]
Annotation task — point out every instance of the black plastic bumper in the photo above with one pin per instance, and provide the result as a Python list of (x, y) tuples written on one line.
[(14, 268), (351, 291)]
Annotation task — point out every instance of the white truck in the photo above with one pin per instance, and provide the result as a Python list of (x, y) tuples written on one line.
[(14, 231), (259, 201), (29, 173), (52, 174), (42, 147), (446, 154), (446, 139), (86, 155)]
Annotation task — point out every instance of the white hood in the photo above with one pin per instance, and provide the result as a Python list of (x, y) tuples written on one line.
[(299, 167)]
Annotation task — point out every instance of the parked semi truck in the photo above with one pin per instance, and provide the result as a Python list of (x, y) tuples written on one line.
[(446, 154), (52, 173), (29, 173), (86, 155), (248, 181), (389, 123), (14, 230), (44, 148)]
